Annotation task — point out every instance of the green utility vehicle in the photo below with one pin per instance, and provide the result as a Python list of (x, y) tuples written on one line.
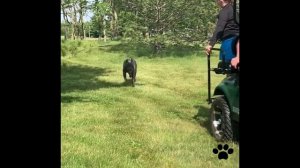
[(224, 111)]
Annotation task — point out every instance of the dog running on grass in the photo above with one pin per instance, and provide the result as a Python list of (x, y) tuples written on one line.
[(130, 67)]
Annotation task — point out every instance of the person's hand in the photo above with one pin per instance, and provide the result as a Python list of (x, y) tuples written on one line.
[(235, 61), (208, 49)]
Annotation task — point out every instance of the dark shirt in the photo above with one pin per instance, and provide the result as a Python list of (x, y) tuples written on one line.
[(226, 26)]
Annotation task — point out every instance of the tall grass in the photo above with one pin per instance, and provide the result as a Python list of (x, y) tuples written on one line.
[(161, 122)]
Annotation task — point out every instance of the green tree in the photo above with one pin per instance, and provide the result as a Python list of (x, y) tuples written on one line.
[(101, 11), (73, 12), (173, 22)]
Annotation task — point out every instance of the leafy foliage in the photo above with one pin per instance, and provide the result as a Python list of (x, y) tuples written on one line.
[(166, 22), (70, 47)]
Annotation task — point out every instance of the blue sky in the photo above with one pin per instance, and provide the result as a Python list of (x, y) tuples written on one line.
[(86, 18)]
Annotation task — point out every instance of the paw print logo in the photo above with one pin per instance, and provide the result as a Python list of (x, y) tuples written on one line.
[(223, 154)]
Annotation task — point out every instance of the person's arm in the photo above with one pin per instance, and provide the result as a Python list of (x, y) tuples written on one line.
[(236, 60), (222, 21)]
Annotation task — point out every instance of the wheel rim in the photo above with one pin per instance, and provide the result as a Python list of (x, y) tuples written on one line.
[(217, 123)]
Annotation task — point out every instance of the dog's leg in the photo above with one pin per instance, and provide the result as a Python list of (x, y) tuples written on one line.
[(124, 75), (132, 78), (132, 82), (134, 73)]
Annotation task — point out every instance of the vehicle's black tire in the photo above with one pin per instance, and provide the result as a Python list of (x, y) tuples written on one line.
[(220, 121)]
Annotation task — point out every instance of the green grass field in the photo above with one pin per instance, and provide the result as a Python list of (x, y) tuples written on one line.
[(161, 122)]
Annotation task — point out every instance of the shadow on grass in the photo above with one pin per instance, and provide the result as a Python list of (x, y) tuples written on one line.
[(105, 47), (202, 117), (70, 99), (147, 50), (83, 78)]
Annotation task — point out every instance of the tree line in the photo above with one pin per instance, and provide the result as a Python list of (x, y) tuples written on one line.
[(151, 21)]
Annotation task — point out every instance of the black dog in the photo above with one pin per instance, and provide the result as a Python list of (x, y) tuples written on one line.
[(130, 67)]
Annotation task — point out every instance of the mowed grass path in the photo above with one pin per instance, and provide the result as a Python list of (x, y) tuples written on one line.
[(161, 122)]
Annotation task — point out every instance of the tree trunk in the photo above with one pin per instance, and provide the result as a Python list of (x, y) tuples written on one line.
[(115, 16), (112, 28), (114, 19), (81, 30), (66, 33), (75, 23), (73, 32), (104, 29)]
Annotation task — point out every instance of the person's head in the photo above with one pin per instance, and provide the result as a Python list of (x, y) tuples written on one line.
[(222, 3)]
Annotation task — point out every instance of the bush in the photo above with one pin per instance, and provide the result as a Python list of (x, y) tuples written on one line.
[(70, 47)]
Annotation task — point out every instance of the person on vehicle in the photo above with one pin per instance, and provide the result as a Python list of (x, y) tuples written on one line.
[(227, 30)]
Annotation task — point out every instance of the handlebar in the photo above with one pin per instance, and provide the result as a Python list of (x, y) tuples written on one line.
[(225, 68)]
